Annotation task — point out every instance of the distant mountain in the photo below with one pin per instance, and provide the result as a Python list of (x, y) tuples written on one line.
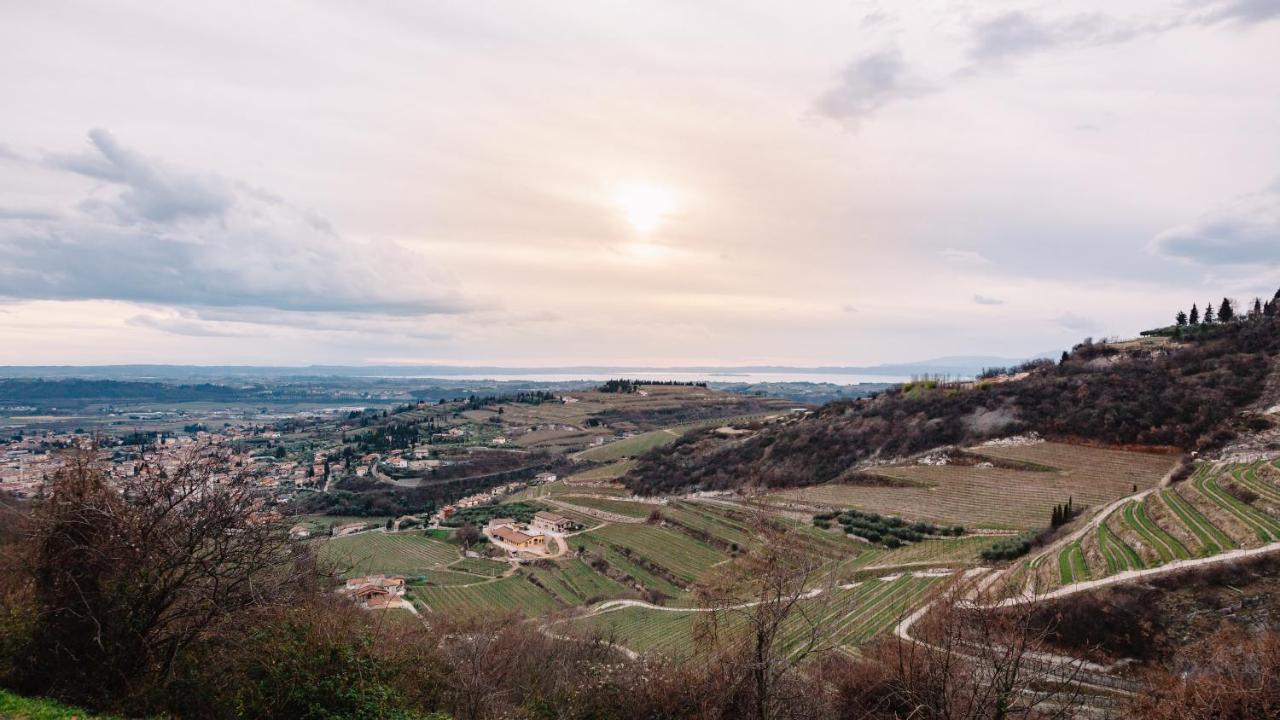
[(955, 365)]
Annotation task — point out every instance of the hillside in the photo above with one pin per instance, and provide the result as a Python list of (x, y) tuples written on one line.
[(1183, 394)]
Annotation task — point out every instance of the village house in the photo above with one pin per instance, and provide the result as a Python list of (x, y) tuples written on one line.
[(551, 522), (544, 477)]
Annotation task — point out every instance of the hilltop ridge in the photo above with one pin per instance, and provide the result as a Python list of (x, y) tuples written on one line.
[(1184, 394)]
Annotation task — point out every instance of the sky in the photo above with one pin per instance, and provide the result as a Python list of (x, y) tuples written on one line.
[(660, 183)]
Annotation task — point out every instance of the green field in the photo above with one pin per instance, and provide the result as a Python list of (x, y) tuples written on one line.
[(481, 566), (612, 471), (939, 551), (632, 446), (846, 616), (702, 520), (399, 553), (679, 554), (1072, 567), (451, 577), (496, 597), (575, 583)]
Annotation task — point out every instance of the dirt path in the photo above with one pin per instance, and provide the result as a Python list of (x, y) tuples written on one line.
[(1131, 575)]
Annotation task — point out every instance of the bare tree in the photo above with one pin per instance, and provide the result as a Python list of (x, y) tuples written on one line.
[(469, 535), (971, 662), (128, 572), (764, 618)]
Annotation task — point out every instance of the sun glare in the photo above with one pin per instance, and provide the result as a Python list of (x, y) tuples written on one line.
[(645, 205)]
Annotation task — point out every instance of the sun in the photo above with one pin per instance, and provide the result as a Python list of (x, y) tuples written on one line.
[(645, 205)]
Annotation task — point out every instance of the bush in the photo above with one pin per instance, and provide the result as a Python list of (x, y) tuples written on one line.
[(1009, 548)]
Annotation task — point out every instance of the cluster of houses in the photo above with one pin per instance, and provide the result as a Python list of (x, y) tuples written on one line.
[(493, 494)]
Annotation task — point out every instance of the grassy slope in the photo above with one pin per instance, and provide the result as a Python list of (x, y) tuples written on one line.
[(16, 707)]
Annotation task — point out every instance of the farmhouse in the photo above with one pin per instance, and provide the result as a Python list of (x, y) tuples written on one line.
[(519, 540), (551, 522), (385, 584)]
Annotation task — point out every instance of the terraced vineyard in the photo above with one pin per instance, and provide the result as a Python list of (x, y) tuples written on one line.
[(496, 597), (451, 577), (1216, 510), (1120, 557), (400, 553), (700, 519), (1263, 525), (1072, 567), (587, 521), (573, 582), (680, 555), (481, 566), (851, 616), (1166, 546), (940, 551), (977, 496), (1212, 540), (617, 507)]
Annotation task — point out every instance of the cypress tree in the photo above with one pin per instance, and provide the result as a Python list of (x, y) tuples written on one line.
[(1226, 313), (1208, 314), (1195, 315)]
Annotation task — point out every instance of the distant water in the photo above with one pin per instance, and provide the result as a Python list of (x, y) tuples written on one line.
[(717, 377)]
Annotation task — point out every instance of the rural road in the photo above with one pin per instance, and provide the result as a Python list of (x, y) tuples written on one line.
[(1131, 575)]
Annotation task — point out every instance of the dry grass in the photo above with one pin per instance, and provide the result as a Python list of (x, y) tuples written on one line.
[(999, 497)]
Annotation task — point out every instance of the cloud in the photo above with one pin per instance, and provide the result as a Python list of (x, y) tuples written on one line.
[(871, 82), (1243, 11), (866, 85), (963, 257), (1013, 35), (984, 300), (1246, 232), (1077, 323), (182, 324), (152, 233), (152, 192)]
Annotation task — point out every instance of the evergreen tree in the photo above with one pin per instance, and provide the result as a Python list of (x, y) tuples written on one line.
[(1226, 313), (1257, 307), (1181, 319), (1208, 314), (1194, 319)]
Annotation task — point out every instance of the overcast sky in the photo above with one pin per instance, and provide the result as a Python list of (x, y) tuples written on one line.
[(529, 183)]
